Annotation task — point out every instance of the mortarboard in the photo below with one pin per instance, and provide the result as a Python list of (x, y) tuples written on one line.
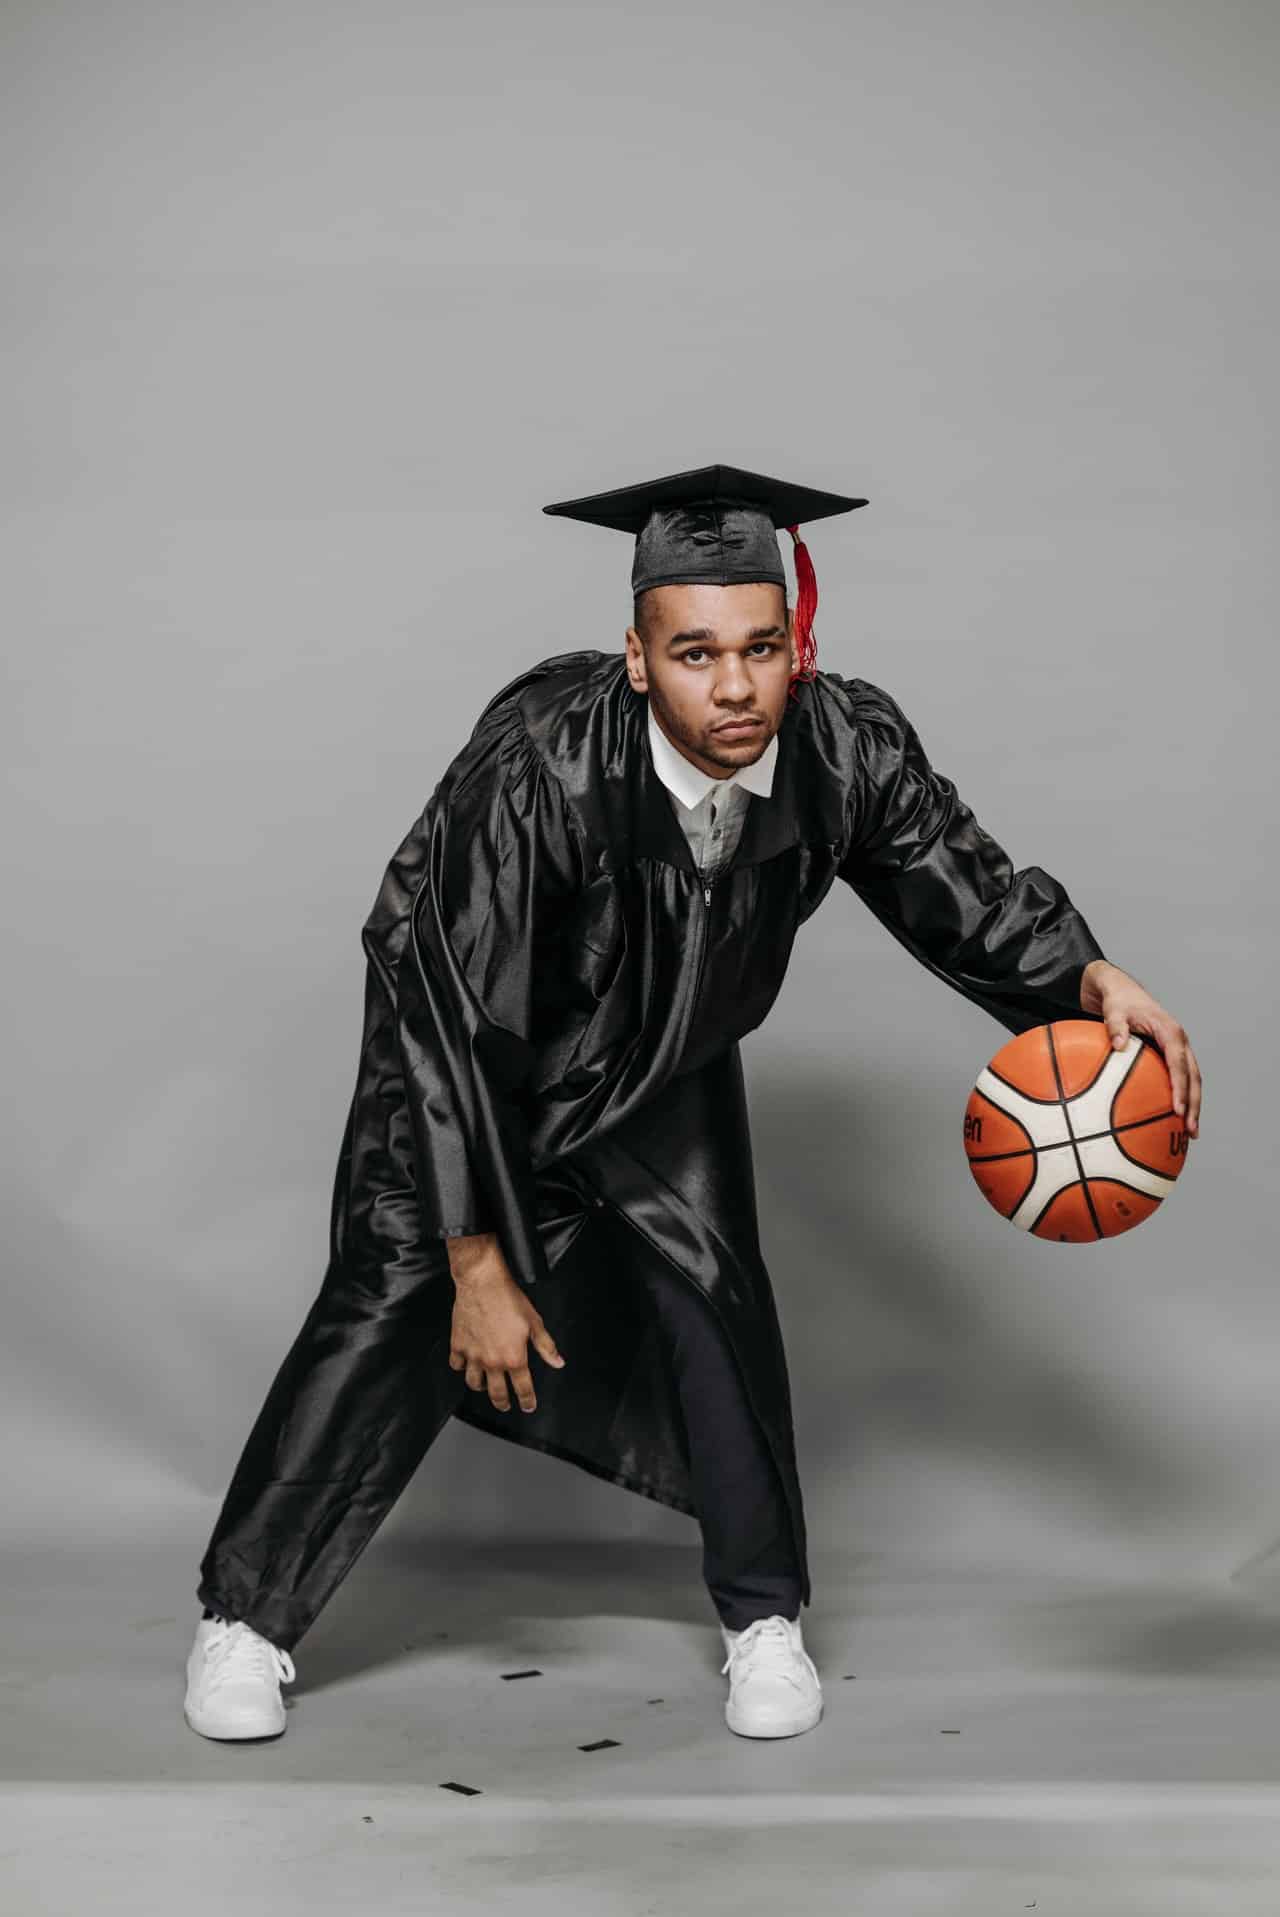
[(715, 525)]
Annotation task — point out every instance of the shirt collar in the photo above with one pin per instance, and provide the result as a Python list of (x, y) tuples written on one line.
[(690, 784)]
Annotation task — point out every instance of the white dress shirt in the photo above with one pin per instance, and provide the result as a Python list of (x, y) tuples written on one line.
[(710, 810)]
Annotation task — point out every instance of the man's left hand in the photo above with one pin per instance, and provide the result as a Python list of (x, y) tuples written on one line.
[(1126, 1006)]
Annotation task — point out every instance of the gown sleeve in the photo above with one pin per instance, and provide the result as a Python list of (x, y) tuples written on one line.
[(467, 918), (1012, 942)]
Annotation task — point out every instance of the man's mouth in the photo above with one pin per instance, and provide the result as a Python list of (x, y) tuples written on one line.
[(738, 725)]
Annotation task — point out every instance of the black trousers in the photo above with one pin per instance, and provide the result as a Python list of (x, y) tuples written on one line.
[(311, 1486)]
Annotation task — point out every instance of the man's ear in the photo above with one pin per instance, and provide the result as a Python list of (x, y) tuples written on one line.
[(791, 639), (635, 661)]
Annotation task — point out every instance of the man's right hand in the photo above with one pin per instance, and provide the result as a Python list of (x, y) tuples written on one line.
[(494, 1323)]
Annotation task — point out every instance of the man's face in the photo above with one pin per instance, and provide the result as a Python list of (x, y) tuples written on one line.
[(713, 654)]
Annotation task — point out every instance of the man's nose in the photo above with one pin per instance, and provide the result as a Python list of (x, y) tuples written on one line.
[(733, 686)]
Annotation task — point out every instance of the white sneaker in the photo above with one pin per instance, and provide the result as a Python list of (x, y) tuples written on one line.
[(233, 1681), (773, 1683)]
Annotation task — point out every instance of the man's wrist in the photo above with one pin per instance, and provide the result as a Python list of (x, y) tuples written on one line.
[(1091, 983), (470, 1253)]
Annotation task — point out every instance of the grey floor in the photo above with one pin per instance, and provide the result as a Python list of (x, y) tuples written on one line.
[(989, 1745)]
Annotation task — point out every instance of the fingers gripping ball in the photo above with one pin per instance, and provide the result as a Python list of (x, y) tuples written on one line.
[(1071, 1139)]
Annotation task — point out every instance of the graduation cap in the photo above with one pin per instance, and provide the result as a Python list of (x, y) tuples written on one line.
[(716, 525)]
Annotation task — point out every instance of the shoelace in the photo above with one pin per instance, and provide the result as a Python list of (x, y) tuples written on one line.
[(237, 1650), (766, 1632)]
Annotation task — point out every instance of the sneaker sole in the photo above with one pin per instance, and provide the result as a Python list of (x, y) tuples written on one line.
[(230, 1734), (785, 1727)]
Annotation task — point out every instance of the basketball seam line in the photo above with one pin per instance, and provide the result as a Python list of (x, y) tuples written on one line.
[(1112, 1131), (1062, 1099)]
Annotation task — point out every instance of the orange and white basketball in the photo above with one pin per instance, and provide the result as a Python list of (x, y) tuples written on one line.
[(1069, 1137)]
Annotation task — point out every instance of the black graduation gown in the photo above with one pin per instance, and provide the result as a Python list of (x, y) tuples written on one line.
[(553, 1009)]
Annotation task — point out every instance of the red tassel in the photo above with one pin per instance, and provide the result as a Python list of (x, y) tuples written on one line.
[(806, 606)]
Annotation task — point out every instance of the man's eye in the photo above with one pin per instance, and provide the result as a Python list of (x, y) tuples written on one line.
[(766, 645)]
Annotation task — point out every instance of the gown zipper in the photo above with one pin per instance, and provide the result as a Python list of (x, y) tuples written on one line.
[(706, 935), (800, 1557)]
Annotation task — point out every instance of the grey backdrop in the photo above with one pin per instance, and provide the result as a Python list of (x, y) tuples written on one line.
[(307, 310)]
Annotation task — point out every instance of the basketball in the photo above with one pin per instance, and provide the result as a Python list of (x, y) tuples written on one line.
[(1071, 1139)]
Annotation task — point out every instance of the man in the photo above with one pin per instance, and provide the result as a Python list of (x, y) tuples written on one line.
[(547, 1152)]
